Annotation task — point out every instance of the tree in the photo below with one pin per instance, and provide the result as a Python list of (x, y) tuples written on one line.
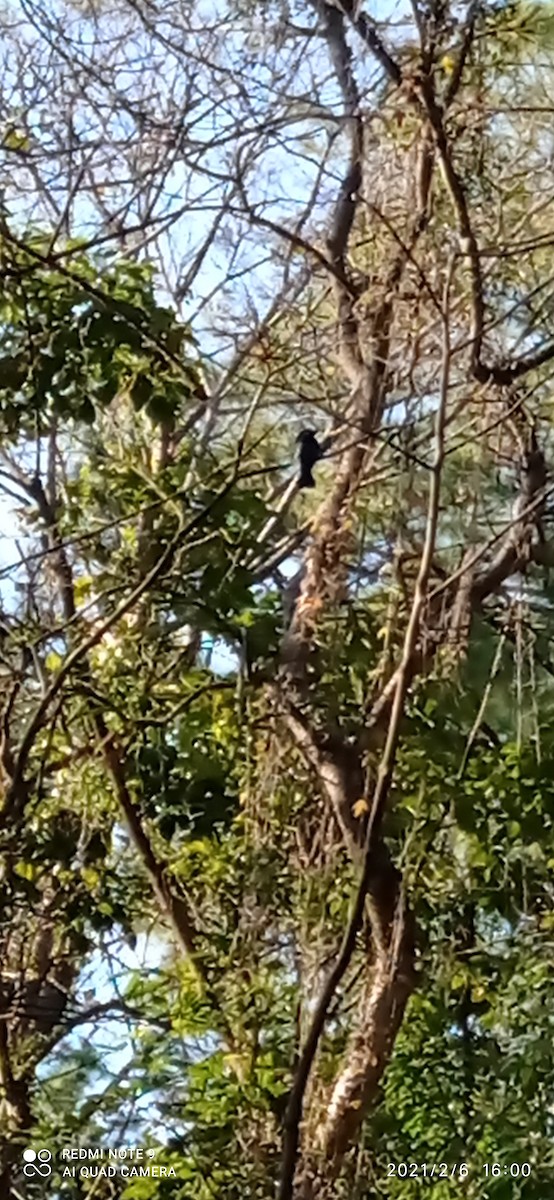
[(347, 830)]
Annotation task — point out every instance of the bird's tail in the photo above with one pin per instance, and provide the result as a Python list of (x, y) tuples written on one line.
[(306, 479)]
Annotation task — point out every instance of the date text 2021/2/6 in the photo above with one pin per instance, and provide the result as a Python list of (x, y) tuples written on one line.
[(492, 1170)]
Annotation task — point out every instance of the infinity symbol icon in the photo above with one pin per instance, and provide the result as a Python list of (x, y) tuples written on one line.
[(42, 1167)]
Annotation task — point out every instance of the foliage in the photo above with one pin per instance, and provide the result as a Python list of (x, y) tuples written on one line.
[(167, 772)]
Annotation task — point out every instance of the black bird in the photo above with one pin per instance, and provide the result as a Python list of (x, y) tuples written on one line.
[(310, 453)]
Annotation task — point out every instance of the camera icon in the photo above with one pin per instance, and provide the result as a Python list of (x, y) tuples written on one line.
[(37, 1162)]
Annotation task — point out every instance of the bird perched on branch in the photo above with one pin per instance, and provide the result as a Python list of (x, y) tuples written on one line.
[(310, 453)]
